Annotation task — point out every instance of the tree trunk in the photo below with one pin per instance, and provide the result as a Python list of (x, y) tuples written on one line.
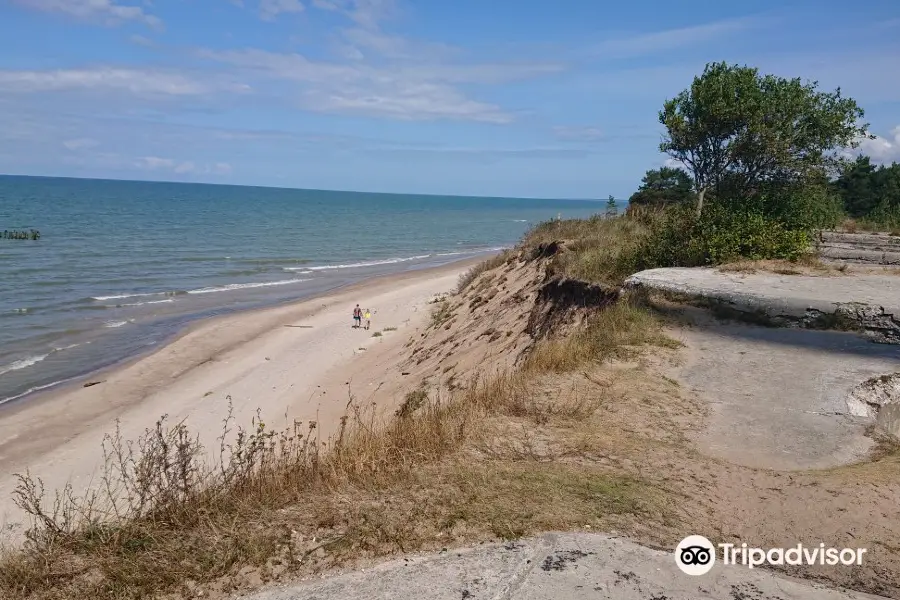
[(700, 195)]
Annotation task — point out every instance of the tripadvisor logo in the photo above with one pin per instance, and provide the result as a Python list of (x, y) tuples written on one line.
[(696, 555)]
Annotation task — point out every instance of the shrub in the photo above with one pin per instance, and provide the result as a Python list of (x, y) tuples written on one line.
[(679, 239), (884, 217)]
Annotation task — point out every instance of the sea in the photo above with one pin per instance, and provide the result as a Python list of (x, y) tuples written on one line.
[(122, 266)]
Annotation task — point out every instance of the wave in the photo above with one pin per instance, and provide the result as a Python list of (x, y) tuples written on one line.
[(114, 324), (273, 261), (300, 270), (474, 251), (26, 362), (137, 295), (263, 260), (36, 388), (70, 346), (23, 363), (245, 286), (167, 300), (373, 263)]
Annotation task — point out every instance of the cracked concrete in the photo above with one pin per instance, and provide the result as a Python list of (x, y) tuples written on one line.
[(869, 302), (553, 566)]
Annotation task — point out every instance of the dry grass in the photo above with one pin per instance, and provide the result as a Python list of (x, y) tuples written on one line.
[(890, 227), (487, 265), (849, 225), (808, 265), (598, 249), (441, 313), (615, 332)]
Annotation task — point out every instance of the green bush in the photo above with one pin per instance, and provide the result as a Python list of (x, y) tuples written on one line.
[(680, 239), (883, 217)]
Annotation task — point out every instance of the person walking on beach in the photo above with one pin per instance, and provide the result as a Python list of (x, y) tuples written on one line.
[(357, 317), (368, 319)]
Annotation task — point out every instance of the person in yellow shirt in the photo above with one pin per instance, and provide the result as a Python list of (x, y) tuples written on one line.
[(368, 317)]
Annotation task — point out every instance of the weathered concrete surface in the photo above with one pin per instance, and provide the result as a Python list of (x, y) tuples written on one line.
[(868, 301), (783, 398), (859, 248), (879, 398), (564, 566)]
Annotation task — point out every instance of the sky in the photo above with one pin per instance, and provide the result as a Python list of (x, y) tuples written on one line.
[(524, 98)]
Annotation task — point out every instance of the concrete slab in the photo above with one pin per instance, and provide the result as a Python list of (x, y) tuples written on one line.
[(782, 398), (871, 301), (554, 566)]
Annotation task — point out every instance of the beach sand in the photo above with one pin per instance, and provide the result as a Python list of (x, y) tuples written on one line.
[(293, 362)]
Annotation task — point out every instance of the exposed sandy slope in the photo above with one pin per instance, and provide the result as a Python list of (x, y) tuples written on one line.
[(291, 362)]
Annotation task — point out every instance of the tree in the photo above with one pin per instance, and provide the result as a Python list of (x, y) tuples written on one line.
[(612, 209), (866, 189), (856, 187), (752, 130), (663, 186)]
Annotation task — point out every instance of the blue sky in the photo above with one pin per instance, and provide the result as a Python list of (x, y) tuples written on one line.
[(475, 97)]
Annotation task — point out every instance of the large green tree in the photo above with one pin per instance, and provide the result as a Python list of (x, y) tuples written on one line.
[(738, 131), (663, 186)]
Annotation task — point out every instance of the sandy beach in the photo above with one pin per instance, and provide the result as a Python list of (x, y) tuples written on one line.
[(292, 362)]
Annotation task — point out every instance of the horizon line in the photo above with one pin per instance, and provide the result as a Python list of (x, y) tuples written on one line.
[(275, 187)]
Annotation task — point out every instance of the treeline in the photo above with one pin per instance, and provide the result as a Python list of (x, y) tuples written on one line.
[(871, 193), (21, 234), (863, 191)]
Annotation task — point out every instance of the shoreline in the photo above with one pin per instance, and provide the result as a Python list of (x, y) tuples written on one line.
[(77, 380), (256, 359)]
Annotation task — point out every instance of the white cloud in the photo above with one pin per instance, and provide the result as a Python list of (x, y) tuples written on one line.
[(140, 82), (269, 9), (361, 41), (107, 12), (80, 143), (376, 74), (140, 40), (413, 101), (187, 167), (670, 39), (365, 13), (399, 90), (581, 134), (882, 150)]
